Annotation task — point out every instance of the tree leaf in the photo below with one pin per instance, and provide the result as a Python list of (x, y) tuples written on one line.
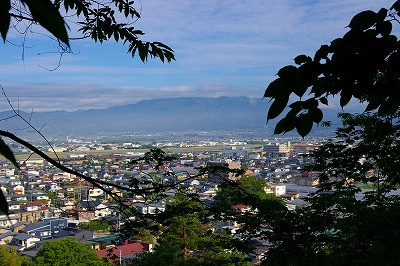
[(345, 98), (3, 203), (310, 103), (277, 107), (384, 28), (316, 115), (6, 152), (286, 124), (323, 100), (372, 105), (363, 20), (280, 126), (300, 59), (322, 53), (288, 72), (304, 125), (381, 15), (319, 86), (396, 6), (336, 43), (273, 88), (326, 123), (47, 15), (4, 18)]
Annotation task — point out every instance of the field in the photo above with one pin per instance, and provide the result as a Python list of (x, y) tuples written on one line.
[(24, 156)]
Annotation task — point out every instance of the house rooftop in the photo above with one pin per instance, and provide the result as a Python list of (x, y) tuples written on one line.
[(34, 226), (22, 236), (34, 203), (105, 239)]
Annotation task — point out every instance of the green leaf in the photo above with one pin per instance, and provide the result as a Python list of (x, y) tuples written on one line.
[(387, 107), (47, 15), (4, 18), (316, 115), (277, 107), (323, 100), (273, 88), (382, 13), (286, 124), (336, 43), (384, 28), (280, 126), (7, 153), (326, 123), (345, 98), (296, 105), (363, 20), (3, 204), (319, 86), (396, 6), (300, 59), (310, 103), (288, 72), (303, 125), (322, 53), (372, 105)]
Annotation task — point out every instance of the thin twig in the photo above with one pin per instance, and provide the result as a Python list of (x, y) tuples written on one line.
[(28, 122)]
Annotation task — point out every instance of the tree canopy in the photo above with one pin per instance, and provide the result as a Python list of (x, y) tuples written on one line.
[(98, 20), (10, 257), (67, 251), (346, 224), (363, 64), (186, 239)]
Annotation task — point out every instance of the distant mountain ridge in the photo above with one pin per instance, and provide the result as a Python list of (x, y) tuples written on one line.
[(157, 115)]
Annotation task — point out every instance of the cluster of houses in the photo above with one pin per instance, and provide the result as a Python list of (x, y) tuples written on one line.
[(46, 204)]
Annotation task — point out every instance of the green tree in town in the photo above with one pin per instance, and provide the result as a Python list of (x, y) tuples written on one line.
[(10, 257), (344, 225), (247, 203), (96, 226), (244, 191), (185, 239), (67, 251), (99, 21)]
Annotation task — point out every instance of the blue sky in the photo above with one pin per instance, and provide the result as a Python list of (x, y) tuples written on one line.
[(223, 48)]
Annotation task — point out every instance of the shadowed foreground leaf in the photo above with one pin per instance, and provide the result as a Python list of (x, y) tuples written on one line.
[(6, 152), (47, 15), (3, 203)]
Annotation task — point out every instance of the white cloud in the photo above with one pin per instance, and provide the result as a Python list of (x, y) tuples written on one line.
[(223, 47), (74, 96)]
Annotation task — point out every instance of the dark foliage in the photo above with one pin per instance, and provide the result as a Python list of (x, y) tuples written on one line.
[(363, 64)]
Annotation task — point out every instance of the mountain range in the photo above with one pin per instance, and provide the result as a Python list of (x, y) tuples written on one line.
[(157, 115)]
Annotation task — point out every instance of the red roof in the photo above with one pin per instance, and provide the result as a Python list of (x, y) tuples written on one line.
[(34, 203), (241, 206), (123, 250)]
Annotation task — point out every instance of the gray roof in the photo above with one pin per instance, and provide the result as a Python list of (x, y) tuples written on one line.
[(298, 202), (34, 226), (13, 202), (8, 234), (68, 231), (89, 204), (18, 224), (23, 236)]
